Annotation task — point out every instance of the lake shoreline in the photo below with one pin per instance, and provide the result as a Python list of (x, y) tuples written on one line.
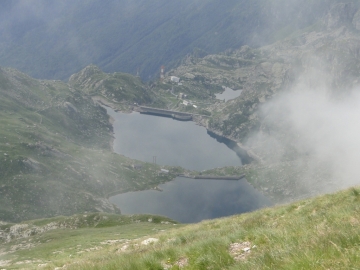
[(190, 201), (197, 119)]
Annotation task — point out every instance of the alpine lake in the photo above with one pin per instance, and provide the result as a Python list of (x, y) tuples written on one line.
[(228, 94), (178, 143)]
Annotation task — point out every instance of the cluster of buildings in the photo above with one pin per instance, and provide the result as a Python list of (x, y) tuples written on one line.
[(186, 102), (175, 79)]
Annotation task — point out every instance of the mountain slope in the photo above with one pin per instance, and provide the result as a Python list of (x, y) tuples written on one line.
[(62, 38), (55, 152), (297, 109)]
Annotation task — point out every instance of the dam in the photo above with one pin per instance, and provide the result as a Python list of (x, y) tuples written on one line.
[(214, 177), (182, 116)]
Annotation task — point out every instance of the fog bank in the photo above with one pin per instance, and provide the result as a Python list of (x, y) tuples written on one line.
[(316, 128)]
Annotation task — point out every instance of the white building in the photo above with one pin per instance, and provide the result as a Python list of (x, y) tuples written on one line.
[(185, 102), (175, 79)]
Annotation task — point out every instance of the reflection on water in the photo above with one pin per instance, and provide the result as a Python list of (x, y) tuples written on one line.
[(172, 142), (189, 200), (228, 94)]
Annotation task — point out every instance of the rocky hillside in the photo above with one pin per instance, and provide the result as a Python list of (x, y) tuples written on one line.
[(56, 136), (331, 46), (55, 152), (296, 106), (277, 83), (116, 87)]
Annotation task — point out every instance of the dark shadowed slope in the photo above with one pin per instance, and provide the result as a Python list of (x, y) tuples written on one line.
[(49, 39)]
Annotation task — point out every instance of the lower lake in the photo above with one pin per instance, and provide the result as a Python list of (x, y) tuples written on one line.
[(192, 200), (176, 143)]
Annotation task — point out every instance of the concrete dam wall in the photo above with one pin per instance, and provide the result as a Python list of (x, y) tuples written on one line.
[(214, 177), (167, 113)]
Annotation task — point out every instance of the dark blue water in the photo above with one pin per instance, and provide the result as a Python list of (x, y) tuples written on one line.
[(188, 200), (183, 144), (172, 142)]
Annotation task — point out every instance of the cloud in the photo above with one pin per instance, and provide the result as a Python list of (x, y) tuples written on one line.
[(321, 129)]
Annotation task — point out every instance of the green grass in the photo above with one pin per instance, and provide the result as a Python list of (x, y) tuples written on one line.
[(79, 236), (318, 233), (321, 233)]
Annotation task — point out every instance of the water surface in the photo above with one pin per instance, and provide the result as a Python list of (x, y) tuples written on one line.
[(184, 144), (189, 200), (172, 142), (228, 94)]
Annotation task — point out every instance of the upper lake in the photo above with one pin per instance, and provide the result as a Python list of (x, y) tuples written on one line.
[(172, 142)]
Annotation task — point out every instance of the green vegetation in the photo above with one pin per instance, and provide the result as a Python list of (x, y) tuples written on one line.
[(54, 135), (115, 88), (63, 239), (55, 152), (310, 234), (55, 141)]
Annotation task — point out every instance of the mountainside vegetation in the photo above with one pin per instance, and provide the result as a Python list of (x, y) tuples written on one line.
[(116, 87), (295, 65), (56, 156), (52, 125)]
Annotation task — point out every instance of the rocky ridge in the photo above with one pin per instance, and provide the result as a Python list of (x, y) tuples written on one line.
[(116, 87)]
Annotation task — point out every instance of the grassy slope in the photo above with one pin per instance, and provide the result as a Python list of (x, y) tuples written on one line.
[(55, 153), (320, 233), (67, 238)]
